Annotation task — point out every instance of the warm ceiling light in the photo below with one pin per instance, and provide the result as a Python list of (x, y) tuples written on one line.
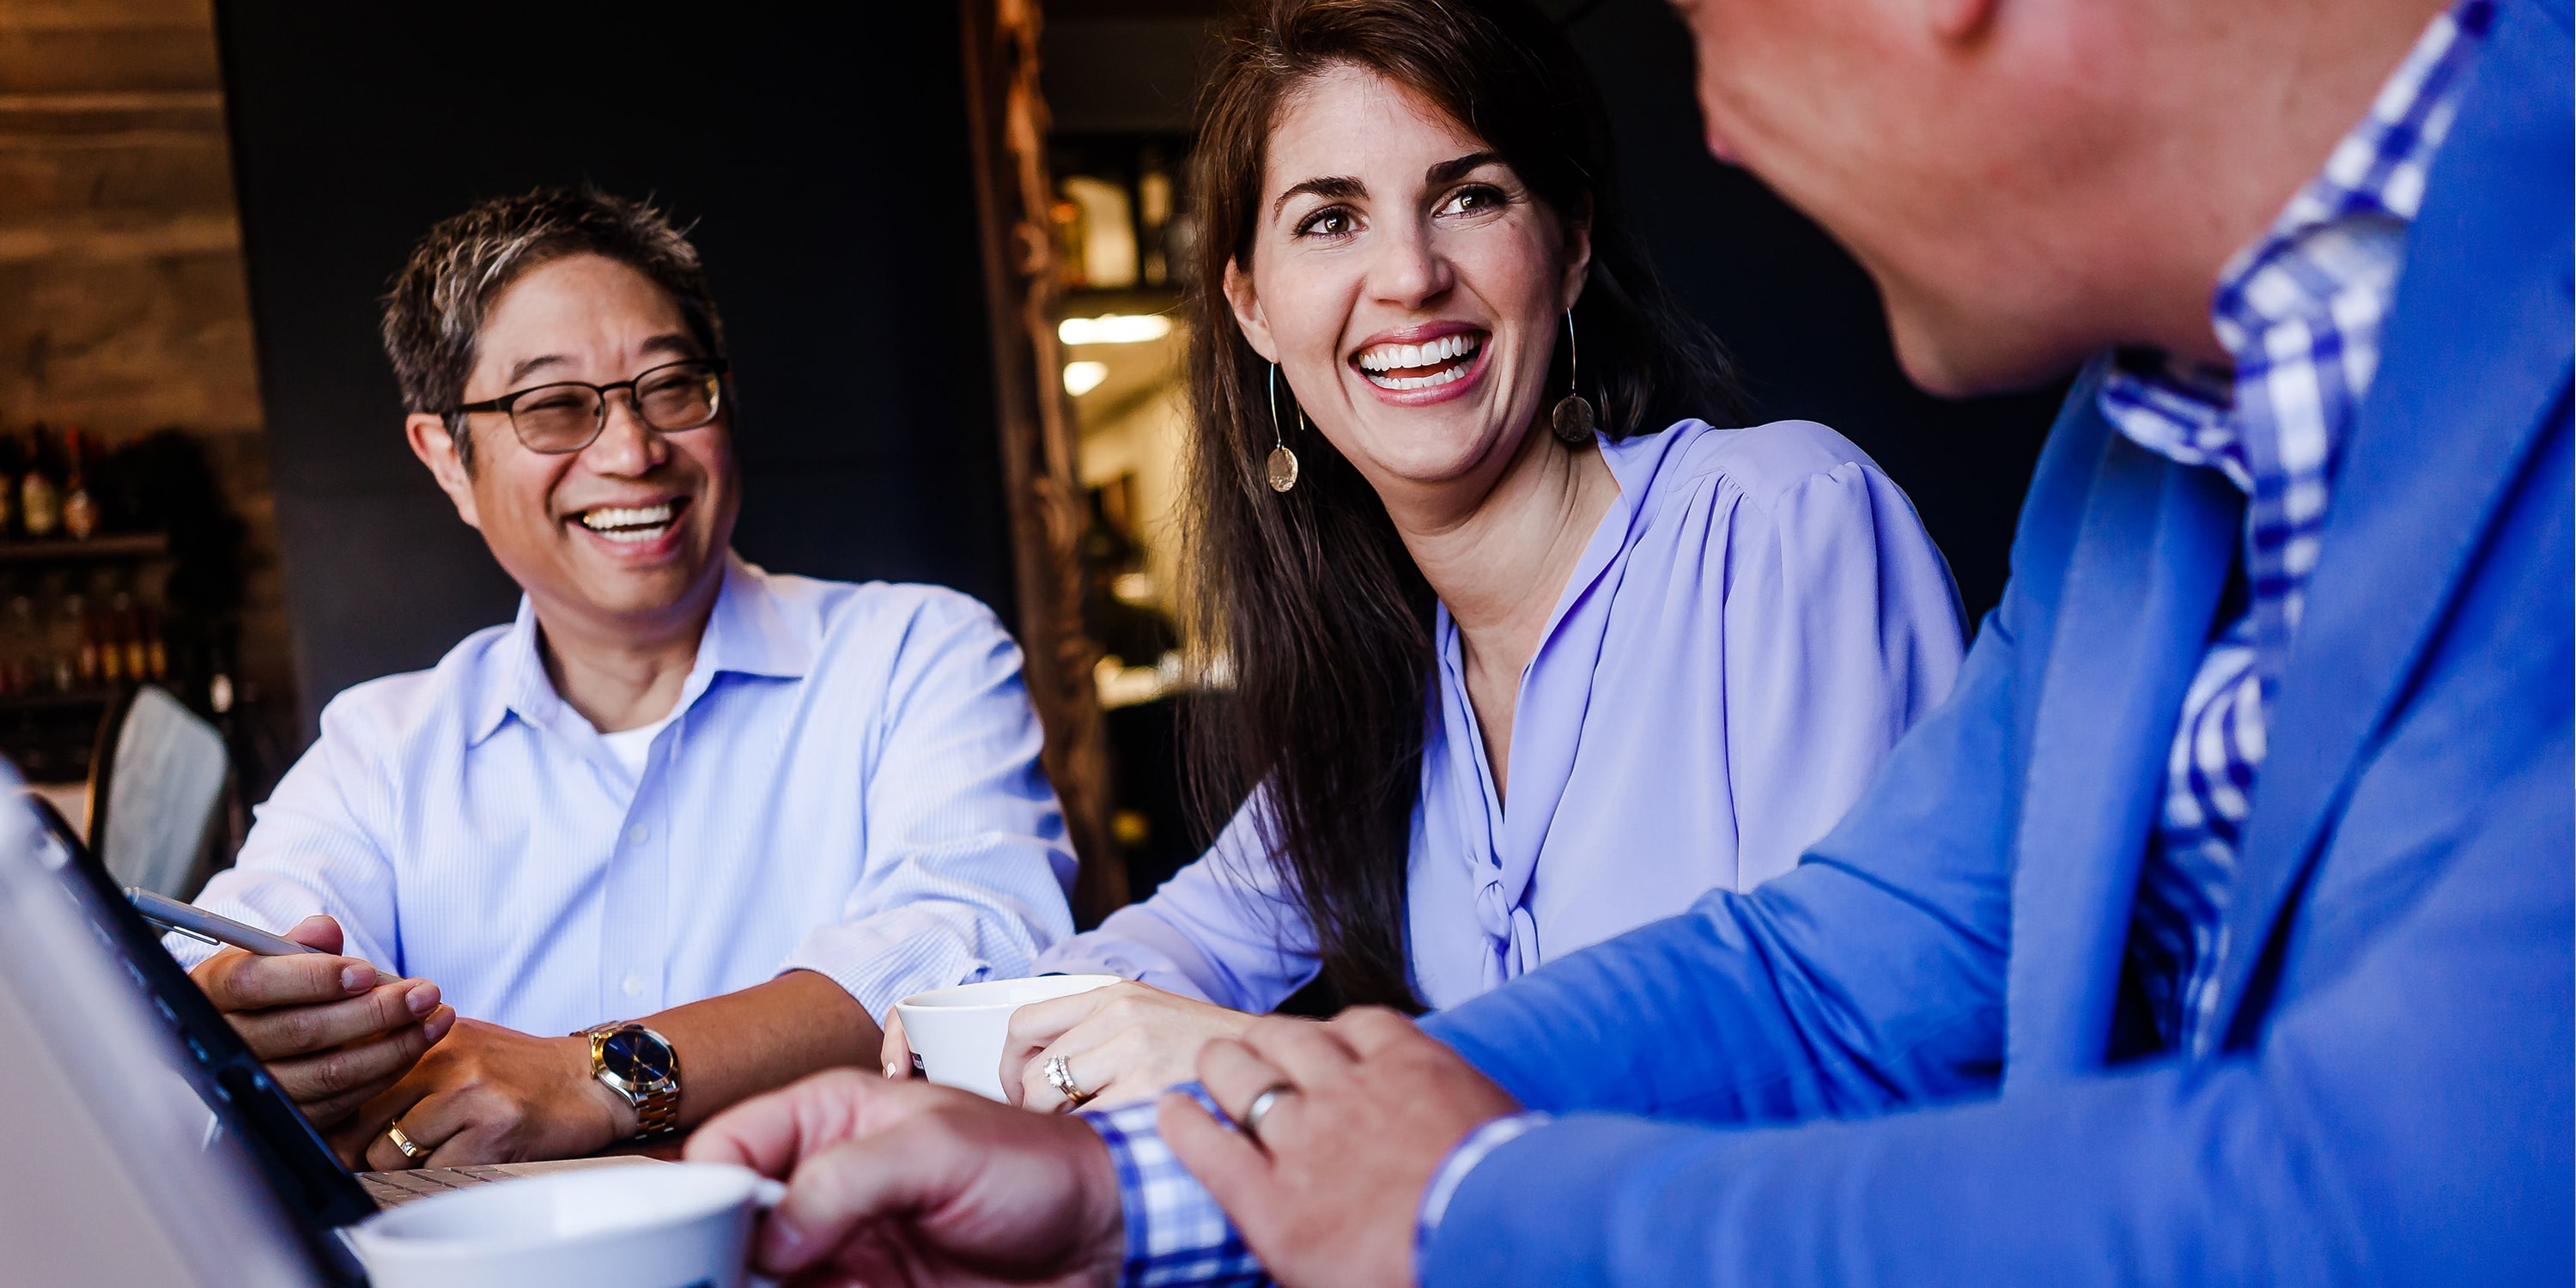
[(1082, 377), (1114, 328)]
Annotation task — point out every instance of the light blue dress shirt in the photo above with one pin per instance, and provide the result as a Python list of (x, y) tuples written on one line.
[(850, 786)]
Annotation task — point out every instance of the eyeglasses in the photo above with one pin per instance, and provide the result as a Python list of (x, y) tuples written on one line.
[(566, 416)]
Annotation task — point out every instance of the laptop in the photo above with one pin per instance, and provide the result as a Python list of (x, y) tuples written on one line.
[(187, 1116)]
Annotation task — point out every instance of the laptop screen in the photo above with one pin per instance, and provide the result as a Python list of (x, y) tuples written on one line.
[(243, 1111)]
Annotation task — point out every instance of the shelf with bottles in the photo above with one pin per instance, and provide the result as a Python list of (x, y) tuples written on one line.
[(62, 494), (122, 545), (66, 630)]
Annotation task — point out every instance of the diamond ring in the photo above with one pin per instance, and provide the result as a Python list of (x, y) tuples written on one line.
[(1059, 1075)]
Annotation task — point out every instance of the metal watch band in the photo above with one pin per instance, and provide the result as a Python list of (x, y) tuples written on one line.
[(658, 1113)]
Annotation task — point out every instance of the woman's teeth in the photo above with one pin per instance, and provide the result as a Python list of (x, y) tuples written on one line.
[(1448, 354), (629, 524)]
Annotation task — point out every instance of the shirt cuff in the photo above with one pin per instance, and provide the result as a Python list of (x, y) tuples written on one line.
[(1452, 1172), (1176, 1233), (895, 952)]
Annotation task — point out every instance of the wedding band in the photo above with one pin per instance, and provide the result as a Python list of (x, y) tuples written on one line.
[(411, 1149), (1260, 1108), (1059, 1075)]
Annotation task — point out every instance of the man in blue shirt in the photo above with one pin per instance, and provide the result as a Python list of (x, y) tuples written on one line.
[(2217, 930), (708, 821)]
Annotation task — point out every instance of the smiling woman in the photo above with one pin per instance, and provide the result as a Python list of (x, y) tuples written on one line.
[(1508, 682)]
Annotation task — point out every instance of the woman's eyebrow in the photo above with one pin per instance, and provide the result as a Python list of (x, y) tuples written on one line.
[(1456, 168), (1340, 187)]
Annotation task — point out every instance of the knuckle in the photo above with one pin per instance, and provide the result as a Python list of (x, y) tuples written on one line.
[(335, 1073), (299, 1029)]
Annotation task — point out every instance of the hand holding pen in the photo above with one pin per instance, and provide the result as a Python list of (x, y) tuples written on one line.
[(333, 1029)]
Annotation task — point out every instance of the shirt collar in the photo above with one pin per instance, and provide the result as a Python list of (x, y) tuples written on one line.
[(751, 631), (2375, 175)]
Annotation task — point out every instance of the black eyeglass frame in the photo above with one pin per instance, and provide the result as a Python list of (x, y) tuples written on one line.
[(716, 367)]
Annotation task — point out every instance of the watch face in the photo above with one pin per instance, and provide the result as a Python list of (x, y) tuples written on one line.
[(636, 1057)]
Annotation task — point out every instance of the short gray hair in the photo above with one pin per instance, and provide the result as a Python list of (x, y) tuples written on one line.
[(434, 313)]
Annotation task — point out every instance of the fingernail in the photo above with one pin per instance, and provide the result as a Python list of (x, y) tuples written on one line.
[(893, 1070), (421, 1000), (785, 1242), (357, 979), (436, 1026)]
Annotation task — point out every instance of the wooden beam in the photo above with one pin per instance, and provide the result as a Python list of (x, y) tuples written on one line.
[(1007, 122)]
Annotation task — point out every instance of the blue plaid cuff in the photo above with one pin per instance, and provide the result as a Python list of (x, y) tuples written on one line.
[(1176, 1233)]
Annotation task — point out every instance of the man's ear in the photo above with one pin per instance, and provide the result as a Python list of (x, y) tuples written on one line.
[(1247, 311), (1957, 20), (436, 449)]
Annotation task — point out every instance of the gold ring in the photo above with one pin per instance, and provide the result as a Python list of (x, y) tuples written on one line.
[(411, 1149)]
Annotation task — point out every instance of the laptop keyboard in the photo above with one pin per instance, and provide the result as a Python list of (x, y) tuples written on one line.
[(393, 1189)]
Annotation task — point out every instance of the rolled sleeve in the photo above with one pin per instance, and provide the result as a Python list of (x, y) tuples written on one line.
[(967, 866)]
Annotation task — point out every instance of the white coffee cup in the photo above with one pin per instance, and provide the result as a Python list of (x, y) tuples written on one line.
[(957, 1032), (681, 1225)]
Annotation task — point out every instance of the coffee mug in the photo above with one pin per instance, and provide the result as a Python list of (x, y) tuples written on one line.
[(681, 1225), (956, 1033)]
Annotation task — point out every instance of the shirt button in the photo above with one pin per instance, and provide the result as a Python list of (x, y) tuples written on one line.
[(637, 833), (634, 986)]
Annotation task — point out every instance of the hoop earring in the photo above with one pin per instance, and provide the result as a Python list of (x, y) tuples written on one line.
[(1283, 463), (1573, 416)]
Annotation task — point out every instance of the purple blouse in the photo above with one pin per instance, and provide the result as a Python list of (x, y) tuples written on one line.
[(1757, 620)]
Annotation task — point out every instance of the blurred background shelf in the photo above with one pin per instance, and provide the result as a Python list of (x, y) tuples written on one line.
[(92, 699), (128, 545)]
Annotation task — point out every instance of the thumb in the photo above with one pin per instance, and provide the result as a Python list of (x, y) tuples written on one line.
[(895, 1054), (317, 931)]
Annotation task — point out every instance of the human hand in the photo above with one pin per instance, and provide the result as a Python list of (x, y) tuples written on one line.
[(893, 1052), (333, 1032), (1328, 1192), (1122, 1043), (490, 1095), (904, 1182)]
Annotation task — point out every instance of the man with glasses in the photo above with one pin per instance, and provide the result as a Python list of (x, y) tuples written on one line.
[(708, 821)]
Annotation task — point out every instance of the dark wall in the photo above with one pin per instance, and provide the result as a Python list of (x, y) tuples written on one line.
[(820, 152), (1801, 319)]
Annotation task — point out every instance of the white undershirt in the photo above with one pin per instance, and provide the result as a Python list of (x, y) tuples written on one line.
[(631, 746)]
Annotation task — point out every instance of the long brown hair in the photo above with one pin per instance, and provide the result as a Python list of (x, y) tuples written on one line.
[(1311, 594)]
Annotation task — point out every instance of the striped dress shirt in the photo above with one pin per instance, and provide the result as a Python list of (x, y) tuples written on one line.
[(850, 785)]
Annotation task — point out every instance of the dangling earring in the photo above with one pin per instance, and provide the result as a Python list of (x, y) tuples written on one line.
[(1573, 417), (1283, 463)]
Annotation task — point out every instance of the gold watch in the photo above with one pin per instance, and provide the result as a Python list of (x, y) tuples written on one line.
[(639, 1064)]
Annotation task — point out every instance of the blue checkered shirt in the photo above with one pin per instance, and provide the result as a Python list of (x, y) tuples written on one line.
[(2300, 313), (1176, 1234)]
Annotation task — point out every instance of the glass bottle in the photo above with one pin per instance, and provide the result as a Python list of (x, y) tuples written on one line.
[(40, 489), (13, 463), (80, 509)]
